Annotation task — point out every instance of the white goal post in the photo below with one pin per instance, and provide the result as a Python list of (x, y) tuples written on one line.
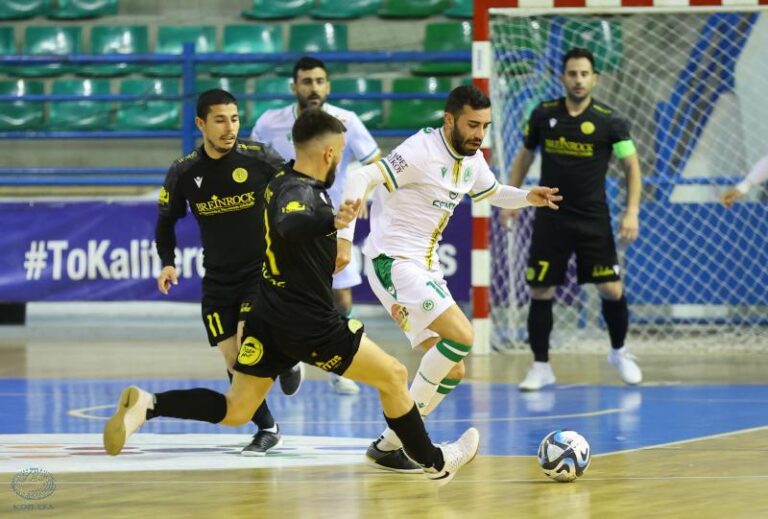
[(692, 82)]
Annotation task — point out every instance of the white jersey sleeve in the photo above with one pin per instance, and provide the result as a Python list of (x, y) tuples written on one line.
[(405, 164), (360, 141), (485, 184)]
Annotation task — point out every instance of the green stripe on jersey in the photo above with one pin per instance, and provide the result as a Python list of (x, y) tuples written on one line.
[(389, 172)]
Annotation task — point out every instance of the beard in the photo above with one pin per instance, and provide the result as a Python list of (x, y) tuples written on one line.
[(457, 140), (220, 149), (304, 101), (331, 176)]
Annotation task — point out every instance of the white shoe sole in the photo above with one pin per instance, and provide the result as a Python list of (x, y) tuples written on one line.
[(447, 479), (256, 454), (114, 431)]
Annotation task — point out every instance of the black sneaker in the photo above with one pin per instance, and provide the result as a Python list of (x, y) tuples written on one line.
[(262, 442), (290, 381), (395, 461)]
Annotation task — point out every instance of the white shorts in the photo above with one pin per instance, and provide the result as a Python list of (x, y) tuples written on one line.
[(413, 296), (349, 277)]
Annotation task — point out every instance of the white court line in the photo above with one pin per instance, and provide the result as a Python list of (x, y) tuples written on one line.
[(682, 442), (83, 413)]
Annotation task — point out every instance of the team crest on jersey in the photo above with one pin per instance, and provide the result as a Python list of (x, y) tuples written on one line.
[(164, 197), (240, 175), (428, 305), (294, 206), (251, 352), (552, 122), (587, 128)]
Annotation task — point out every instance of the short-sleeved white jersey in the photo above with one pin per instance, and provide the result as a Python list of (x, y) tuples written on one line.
[(274, 127), (425, 179)]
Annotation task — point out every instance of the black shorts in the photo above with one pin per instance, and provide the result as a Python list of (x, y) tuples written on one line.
[(227, 299), (268, 350), (555, 239)]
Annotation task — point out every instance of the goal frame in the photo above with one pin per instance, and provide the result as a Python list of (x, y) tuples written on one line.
[(481, 73)]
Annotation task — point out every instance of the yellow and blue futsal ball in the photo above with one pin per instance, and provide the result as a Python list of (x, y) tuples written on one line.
[(564, 455)]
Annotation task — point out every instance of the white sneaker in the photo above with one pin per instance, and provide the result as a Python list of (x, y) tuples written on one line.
[(538, 376), (130, 415), (343, 386), (625, 362), (455, 456)]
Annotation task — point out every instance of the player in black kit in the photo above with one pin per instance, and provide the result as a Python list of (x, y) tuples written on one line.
[(295, 318), (577, 136), (222, 182)]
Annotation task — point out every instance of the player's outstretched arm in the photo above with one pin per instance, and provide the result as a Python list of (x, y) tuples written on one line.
[(517, 173)]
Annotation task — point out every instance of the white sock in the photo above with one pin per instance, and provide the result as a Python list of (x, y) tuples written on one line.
[(435, 365), (272, 429), (446, 386)]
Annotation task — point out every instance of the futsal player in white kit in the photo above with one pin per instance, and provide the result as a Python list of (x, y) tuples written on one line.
[(425, 178)]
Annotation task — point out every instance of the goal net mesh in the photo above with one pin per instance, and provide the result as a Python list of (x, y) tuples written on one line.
[(692, 86)]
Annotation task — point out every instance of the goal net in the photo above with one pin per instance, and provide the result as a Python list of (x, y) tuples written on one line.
[(692, 85)]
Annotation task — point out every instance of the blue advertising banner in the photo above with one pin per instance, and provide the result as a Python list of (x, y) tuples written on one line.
[(105, 251)]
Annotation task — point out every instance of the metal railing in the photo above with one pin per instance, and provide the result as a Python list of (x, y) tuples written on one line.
[(189, 60)]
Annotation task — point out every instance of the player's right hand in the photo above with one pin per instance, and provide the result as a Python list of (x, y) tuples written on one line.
[(347, 212), (168, 276), (508, 217), (730, 197), (343, 254)]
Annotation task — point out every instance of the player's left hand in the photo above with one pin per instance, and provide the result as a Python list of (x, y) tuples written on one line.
[(629, 227), (347, 212), (541, 196)]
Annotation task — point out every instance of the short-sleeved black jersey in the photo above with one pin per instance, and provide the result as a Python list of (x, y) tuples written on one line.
[(300, 254), (575, 152), (226, 196)]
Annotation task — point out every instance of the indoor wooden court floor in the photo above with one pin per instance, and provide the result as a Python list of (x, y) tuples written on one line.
[(692, 441)]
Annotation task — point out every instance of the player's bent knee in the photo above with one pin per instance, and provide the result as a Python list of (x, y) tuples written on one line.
[(239, 411)]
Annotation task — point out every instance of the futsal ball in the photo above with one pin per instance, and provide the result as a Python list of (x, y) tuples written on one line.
[(564, 455)]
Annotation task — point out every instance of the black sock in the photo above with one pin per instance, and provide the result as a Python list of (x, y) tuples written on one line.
[(616, 315), (539, 328), (262, 418), (410, 429), (198, 404)]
